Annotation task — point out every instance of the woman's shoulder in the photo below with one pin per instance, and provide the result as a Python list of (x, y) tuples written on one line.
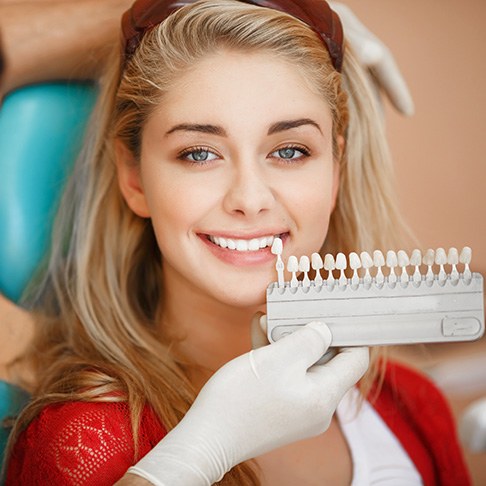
[(419, 415), (82, 442)]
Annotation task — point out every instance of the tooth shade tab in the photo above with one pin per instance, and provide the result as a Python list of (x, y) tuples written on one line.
[(277, 246), (440, 256), (429, 257), (465, 258), (341, 261), (293, 267), (341, 265), (329, 263), (466, 255), (317, 264), (403, 259), (354, 261), (304, 264), (391, 259), (416, 258), (316, 261), (366, 260), (453, 256), (292, 264), (378, 258)]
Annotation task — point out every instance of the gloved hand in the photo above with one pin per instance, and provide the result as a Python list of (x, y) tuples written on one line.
[(374, 55), (262, 400)]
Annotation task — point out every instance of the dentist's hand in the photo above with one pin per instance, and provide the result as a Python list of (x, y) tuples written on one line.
[(260, 401), (374, 55)]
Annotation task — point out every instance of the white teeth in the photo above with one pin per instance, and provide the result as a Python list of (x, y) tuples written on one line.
[(222, 243), (254, 244), (242, 245)]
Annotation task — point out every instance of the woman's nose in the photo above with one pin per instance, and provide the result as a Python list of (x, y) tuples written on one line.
[(249, 192)]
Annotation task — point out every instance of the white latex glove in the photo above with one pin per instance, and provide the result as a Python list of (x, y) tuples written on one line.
[(260, 401), (374, 55)]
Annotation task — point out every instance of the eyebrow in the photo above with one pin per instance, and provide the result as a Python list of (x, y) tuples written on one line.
[(277, 127), (289, 124), (196, 127)]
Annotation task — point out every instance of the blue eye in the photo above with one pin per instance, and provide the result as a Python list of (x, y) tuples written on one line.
[(290, 153), (198, 155)]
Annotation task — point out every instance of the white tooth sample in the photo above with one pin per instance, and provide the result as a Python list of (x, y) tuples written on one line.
[(341, 265), (429, 259), (242, 245), (465, 258), (254, 244), (391, 263), (453, 260), (293, 268), (403, 262), (416, 261), (441, 260), (304, 266), (317, 264), (277, 248), (329, 265), (367, 263), (231, 244), (379, 261), (354, 263)]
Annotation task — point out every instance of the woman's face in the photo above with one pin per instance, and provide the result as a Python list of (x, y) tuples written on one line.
[(238, 152)]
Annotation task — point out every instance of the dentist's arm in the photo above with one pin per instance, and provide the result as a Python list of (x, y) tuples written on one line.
[(260, 401), (376, 56)]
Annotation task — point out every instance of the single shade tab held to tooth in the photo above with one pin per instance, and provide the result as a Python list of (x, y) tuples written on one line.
[(277, 249)]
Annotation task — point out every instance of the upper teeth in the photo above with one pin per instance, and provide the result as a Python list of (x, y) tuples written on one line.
[(243, 245)]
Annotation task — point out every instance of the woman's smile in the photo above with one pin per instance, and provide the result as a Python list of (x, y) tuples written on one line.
[(241, 251)]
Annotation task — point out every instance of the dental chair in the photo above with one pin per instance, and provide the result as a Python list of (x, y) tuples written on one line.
[(41, 130)]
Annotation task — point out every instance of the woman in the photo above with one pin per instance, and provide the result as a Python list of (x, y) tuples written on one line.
[(223, 125)]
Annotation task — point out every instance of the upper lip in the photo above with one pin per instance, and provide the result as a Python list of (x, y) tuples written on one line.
[(245, 236)]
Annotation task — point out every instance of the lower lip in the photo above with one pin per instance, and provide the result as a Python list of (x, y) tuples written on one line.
[(241, 258)]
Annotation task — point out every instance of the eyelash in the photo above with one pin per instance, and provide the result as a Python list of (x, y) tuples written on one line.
[(305, 153), (187, 152), (190, 151)]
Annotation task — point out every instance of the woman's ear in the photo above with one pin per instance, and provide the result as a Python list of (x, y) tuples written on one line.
[(336, 174), (129, 180)]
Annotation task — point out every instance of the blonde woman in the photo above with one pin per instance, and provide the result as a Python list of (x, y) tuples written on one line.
[(222, 125)]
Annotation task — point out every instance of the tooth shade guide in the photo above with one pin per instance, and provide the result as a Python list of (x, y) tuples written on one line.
[(379, 314), (437, 266)]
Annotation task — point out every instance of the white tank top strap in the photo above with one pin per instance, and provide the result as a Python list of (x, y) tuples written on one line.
[(377, 455)]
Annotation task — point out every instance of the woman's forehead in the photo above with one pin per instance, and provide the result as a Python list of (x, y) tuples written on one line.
[(233, 88)]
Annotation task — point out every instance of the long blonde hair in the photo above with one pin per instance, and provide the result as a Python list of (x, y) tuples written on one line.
[(99, 303)]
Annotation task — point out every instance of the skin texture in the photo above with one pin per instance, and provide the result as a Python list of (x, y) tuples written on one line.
[(246, 189), (17, 327)]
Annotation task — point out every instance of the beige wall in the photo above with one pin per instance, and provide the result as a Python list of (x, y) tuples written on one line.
[(440, 152)]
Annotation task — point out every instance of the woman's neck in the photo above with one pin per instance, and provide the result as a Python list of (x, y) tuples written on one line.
[(203, 330)]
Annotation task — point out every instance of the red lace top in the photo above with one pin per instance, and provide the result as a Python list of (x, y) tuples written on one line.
[(91, 443)]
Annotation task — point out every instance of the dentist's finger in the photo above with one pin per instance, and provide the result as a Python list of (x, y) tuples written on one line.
[(259, 330), (305, 346), (346, 368)]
